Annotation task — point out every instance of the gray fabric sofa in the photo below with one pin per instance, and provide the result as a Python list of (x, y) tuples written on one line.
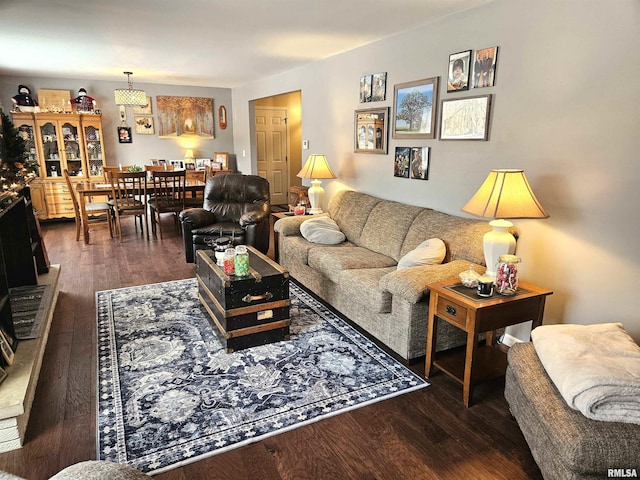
[(565, 444), (359, 277), (92, 470)]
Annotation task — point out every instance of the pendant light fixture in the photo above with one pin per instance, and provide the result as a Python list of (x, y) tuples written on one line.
[(130, 96)]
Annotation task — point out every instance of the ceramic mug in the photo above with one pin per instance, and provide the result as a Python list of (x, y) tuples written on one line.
[(485, 286)]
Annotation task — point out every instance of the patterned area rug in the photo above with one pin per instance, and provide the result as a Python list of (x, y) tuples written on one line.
[(169, 395)]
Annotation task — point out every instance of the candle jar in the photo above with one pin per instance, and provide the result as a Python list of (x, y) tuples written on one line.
[(242, 261), (507, 274), (300, 209), (221, 245)]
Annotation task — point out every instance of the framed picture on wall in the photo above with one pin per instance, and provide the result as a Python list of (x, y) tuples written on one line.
[(420, 163), (458, 74), (414, 109), (402, 162), (365, 88), (379, 87), (466, 118), (143, 109), (144, 125), (371, 130), (484, 67), (124, 135)]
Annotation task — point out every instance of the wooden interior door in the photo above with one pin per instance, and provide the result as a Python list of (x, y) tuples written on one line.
[(272, 148)]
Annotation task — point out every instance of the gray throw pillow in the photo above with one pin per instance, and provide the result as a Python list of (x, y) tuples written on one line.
[(322, 230)]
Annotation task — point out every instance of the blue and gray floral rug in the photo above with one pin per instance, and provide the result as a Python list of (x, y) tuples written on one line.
[(169, 395)]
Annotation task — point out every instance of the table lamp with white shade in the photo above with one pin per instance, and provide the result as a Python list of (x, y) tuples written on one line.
[(505, 193), (316, 167)]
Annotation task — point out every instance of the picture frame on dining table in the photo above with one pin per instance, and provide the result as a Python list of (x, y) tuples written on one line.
[(202, 163), (222, 158), (177, 164)]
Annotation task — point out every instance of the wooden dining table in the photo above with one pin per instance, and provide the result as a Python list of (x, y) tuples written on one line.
[(88, 189)]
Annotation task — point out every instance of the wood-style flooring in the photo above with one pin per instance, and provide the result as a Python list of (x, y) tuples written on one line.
[(427, 434)]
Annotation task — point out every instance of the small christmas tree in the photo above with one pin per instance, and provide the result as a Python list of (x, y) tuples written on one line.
[(16, 166)]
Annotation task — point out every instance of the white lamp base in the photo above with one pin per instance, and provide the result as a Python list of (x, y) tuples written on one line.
[(315, 194), (497, 242)]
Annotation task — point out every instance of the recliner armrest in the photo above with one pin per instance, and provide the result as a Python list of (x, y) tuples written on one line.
[(197, 217), (252, 217)]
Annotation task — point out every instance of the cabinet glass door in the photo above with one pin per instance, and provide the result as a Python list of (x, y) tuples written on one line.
[(49, 136), (72, 152), (27, 132), (92, 137)]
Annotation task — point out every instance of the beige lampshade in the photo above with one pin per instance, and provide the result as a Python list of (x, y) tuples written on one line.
[(188, 155), (505, 193), (130, 96), (316, 166)]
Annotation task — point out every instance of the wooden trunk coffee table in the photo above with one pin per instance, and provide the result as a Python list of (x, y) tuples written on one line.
[(245, 311)]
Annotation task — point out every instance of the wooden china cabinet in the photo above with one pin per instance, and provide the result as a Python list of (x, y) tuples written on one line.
[(61, 141)]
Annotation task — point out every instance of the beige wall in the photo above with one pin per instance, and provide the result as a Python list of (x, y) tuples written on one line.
[(565, 110)]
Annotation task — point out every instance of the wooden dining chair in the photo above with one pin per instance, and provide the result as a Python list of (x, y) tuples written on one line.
[(168, 197), (158, 168), (106, 170), (97, 212), (196, 200), (129, 196)]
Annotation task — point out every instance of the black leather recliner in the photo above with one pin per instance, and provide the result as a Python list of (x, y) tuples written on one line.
[(235, 206)]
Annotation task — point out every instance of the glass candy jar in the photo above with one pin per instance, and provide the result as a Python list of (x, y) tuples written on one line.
[(507, 274), (469, 278), (242, 261), (229, 261)]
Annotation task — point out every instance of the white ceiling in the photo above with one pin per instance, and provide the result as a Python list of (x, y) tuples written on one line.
[(215, 43)]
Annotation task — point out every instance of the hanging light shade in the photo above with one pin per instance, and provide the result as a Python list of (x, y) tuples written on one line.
[(130, 96)]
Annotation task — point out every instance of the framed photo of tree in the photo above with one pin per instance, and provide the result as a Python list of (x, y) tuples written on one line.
[(414, 109)]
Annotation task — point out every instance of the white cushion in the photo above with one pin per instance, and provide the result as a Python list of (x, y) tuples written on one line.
[(322, 230), (429, 252)]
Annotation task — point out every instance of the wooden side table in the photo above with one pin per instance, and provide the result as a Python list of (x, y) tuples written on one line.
[(462, 308)]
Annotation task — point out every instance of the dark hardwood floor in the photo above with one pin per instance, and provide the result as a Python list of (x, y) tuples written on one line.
[(427, 434)]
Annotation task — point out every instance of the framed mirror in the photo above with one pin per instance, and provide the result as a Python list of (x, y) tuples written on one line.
[(371, 130)]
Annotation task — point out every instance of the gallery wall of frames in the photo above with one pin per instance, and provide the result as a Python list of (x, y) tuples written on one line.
[(420, 112)]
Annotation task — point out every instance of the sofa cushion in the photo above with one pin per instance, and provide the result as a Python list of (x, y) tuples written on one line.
[(330, 261), (297, 248), (387, 226), (364, 284), (351, 210), (322, 230), (462, 236), (429, 252)]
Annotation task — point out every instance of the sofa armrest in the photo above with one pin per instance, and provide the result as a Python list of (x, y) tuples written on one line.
[(411, 283), (252, 217), (197, 217), (290, 226)]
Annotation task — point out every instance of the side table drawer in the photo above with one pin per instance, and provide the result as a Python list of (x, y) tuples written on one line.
[(452, 312)]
